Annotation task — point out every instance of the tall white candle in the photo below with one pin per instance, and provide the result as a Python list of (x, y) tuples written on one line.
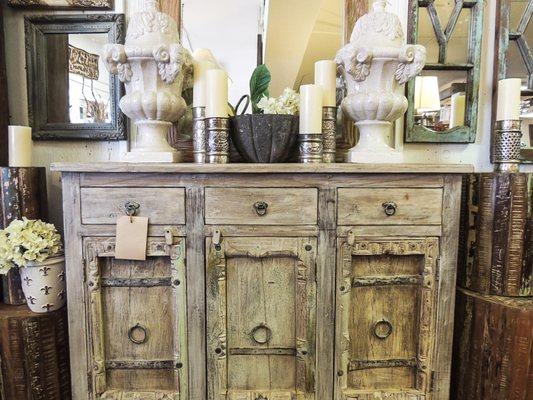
[(19, 146), (200, 82), (310, 109), (217, 93), (457, 112), (509, 99), (326, 78)]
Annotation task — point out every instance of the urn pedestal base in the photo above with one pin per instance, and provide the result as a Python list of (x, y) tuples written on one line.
[(373, 144), (151, 144)]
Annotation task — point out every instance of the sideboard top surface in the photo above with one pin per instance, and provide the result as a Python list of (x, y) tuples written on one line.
[(294, 168)]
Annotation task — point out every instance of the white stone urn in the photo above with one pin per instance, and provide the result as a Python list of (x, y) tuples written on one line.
[(43, 284), (375, 65), (153, 65)]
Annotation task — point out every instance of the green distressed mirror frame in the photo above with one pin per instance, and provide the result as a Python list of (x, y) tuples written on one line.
[(415, 133), (504, 35)]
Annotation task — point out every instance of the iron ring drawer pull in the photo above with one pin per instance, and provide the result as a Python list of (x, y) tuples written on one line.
[(261, 208), (131, 208), (141, 329), (390, 208), (261, 334), (382, 329)]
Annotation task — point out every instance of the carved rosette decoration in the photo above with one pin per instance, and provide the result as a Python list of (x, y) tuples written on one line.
[(153, 66), (375, 65)]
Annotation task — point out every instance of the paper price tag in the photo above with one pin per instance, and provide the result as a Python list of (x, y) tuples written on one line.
[(131, 238)]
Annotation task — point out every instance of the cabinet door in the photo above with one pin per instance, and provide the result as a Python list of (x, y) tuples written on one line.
[(261, 295), (385, 318), (137, 322)]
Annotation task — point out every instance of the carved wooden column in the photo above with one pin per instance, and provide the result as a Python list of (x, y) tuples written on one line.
[(34, 354), (493, 340), (22, 194)]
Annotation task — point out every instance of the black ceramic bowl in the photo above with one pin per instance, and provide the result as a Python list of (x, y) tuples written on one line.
[(265, 138)]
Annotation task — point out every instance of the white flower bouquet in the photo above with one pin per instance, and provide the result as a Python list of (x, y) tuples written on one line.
[(27, 240), (287, 104)]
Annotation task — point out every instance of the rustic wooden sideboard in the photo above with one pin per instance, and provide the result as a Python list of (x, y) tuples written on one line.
[(278, 282)]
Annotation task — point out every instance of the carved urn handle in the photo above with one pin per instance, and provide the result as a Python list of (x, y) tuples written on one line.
[(390, 208), (261, 208)]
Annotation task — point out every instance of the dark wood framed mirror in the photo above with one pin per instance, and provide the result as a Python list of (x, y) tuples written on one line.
[(514, 59), (71, 95), (443, 101)]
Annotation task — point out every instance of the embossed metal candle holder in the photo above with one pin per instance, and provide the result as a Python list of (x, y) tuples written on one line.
[(217, 131), (329, 141), (199, 135), (507, 145), (311, 147)]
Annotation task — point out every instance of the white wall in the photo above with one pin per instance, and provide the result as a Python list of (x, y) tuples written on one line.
[(46, 152), (229, 28)]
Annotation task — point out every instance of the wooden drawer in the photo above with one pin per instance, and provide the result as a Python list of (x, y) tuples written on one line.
[(396, 206), (162, 206), (265, 206)]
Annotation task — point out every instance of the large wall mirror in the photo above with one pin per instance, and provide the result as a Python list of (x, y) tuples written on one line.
[(71, 95), (514, 59), (443, 101)]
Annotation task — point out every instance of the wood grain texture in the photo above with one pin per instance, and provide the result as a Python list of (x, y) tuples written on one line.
[(4, 100), (22, 194), (265, 168), (380, 348), (411, 206), (34, 354), (497, 210), (278, 276), (493, 348), (241, 206), (101, 206)]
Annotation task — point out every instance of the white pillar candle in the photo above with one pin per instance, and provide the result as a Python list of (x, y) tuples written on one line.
[(217, 93), (457, 112), (200, 82), (20, 146), (509, 99), (310, 109), (326, 78)]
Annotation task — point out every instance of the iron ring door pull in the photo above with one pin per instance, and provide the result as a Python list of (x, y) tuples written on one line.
[(142, 330), (390, 208), (261, 208), (261, 334), (382, 329)]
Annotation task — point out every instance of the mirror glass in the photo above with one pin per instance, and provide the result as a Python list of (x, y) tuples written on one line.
[(77, 81), (297, 33), (440, 100), (517, 8), (457, 46)]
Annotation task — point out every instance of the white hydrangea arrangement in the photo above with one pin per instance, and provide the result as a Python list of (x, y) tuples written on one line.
[(288, 103), (27, 240)]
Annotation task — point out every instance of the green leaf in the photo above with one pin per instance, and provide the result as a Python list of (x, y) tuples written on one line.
[(259, 85)]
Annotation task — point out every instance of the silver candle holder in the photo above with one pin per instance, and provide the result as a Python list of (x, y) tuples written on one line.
[(217, 130), (311, 147), (199, 135), (508, 145), (329, 140)]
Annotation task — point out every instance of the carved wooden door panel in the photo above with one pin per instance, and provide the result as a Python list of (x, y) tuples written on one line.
[(386, 296), (137, 322), (261, 296)]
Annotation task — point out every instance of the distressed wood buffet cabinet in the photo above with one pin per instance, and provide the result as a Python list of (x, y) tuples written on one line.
[(263, 282)]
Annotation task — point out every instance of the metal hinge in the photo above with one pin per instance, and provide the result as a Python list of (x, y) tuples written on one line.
[(84, 270)]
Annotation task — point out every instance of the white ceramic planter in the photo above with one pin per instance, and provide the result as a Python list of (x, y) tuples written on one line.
[(44, 284)]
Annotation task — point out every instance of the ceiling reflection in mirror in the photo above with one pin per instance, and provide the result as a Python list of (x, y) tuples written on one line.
[(77, 84), (297, 33)]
